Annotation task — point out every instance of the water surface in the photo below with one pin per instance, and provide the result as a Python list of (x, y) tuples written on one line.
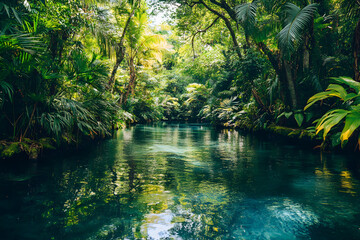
[(183, 181)]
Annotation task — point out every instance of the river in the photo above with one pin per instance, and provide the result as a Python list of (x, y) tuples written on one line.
[(183, 181)]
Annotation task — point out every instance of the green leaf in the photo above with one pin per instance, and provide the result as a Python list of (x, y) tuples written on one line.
[(317, 97), (7, 9), (299, 117), (349, 82), (7, 88), (329, 120), (308, 116), (350, 96), (352, 122), (16, 15), (335, 139), (288, 114), (336, 90)]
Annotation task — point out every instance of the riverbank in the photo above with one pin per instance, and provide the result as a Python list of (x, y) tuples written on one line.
[(297, 134), (27, 147), (301, 136), (35, 149)]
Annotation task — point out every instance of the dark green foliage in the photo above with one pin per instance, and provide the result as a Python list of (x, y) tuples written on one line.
[(49, 85), (78, 69)]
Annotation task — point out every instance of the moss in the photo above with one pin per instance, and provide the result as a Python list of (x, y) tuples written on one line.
[(31, 148), (309, 135), (68, 138), (285, 131), (27, 140), (296, 133), (48, 143), (11, 149), (34, 152)]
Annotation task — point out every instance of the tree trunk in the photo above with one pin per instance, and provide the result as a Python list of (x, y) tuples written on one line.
[(291, 84), (270, 55), (132, 82), (259, 101), (120, 53), (233, 37), (306, 57), (228, 25), (356, 48), (309, 43), (120, 50)]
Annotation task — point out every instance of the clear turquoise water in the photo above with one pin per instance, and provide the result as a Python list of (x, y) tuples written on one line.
[(178, 181)]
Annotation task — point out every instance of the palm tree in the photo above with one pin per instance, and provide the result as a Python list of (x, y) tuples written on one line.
[(111, 28), (119, 47), (295, 23), (144, 48)]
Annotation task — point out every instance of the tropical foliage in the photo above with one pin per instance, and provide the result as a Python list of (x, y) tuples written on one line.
[(347, 116), (77, 70)]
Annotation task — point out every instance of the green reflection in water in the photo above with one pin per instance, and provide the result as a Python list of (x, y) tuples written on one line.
[(176, 181)]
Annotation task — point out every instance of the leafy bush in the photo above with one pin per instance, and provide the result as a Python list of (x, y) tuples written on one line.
[(347, 116)]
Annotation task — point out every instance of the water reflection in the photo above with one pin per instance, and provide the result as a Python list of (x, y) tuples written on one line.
[(177, 181)]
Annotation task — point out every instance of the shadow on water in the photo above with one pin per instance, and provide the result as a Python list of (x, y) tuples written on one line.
[(183, 181)]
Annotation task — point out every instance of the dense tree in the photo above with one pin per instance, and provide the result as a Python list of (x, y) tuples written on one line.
[(78, 69), (283, 50)]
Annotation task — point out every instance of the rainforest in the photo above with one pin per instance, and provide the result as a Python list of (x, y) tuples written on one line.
[(73, 71), (179, 119)]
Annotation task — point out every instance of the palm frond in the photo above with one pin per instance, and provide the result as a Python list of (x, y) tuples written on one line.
[(296, 22), (9, 11), (5, 90), (273, 89), (351, 7), (19, 42), (246, 13)]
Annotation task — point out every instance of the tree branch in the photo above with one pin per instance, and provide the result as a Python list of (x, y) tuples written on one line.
[(202, 31), (120, 48), (191, 3), (223, 4), (271, 56), (228, 25)]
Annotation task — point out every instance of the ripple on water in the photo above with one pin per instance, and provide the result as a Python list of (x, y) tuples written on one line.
[(274, 218)]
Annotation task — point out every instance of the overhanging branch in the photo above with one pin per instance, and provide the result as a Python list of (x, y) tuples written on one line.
[(228, 25), (201, 31)]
